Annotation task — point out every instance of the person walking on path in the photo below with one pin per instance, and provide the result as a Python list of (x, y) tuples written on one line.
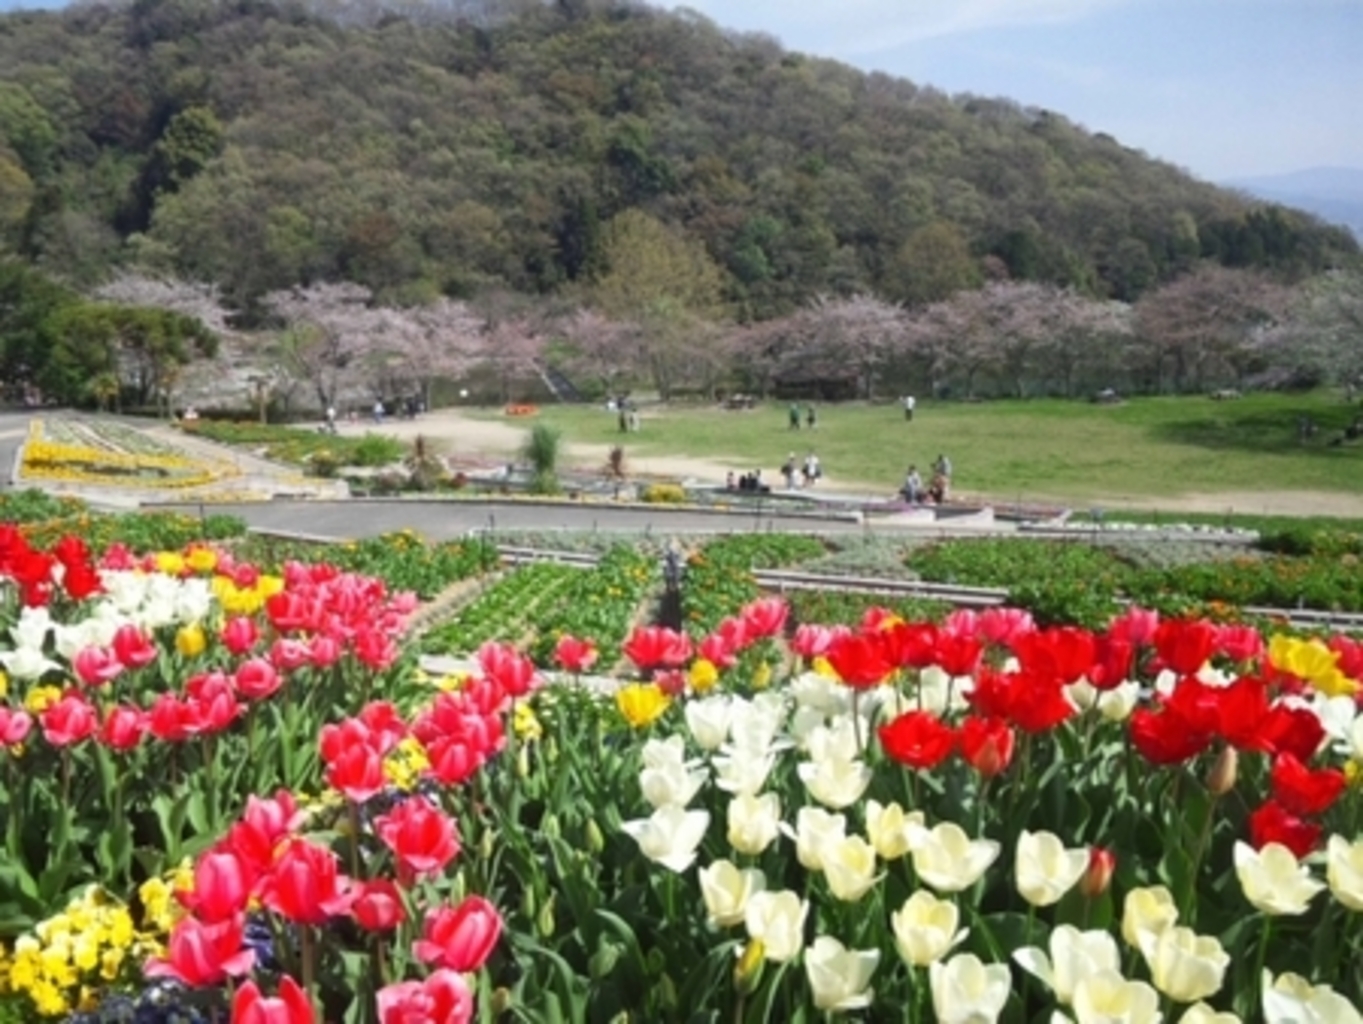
[(811, 421), (794, 416), (942, 469), (812, 470), (788, 471), (909, 403)]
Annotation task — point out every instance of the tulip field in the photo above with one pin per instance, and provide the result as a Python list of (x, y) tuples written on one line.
[(232, 794)]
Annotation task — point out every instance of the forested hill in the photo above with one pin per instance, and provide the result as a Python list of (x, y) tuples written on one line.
[(468, 146)]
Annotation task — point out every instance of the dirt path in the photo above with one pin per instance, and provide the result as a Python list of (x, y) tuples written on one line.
[(467, 439)]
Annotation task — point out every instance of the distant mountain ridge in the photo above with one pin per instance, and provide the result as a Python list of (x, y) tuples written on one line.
[(1333, 193)]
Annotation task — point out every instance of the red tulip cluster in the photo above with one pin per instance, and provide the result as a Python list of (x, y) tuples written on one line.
[(36, 573), (662, 650)]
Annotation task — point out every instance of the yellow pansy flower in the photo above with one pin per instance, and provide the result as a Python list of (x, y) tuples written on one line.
[(641, 704), (526, 723)]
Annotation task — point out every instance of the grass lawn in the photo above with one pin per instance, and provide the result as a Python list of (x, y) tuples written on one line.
[(1069, 450)]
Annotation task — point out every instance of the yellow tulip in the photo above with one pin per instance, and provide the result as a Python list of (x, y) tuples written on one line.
[(703, 675), (172, 563), (202, 559), (1312, 661), (641, 704), (190, 640)]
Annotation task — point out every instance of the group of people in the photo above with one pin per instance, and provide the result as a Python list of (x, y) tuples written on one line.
[(937, 491), (807, 472), (811, 418)]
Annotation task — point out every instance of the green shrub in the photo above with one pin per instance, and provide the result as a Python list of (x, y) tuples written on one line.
[(376, 450), (663, 494)]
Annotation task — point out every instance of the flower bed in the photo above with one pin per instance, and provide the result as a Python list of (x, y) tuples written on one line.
[(113, 458), (977, 819)]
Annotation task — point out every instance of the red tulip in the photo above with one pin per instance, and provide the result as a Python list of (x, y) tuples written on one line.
[(765, 617), (909, 644), (987, 745), (957, 655), (288, 611), (422, 837), (171, 720), (96, 666), (859, 661), (263, 824), (1037, 704), (453, 760), (1165, 737), (1197, 704), (1112, 661), (378, 905), (305, 886), (68, 721), (133, 647), (1350, 653), (239, 635), (385, 724), (652, 647), (357, 771), (1065, 653), (575, 655), (1273, 823), (1292, 730), (81, 581), (1303, 791), (256, 679), (1242, 708), (222, 886), (443, 998), (14, 726), (1184, 645), (200, 954), (291, 1006), (123, 727), (459, 938), (917, 739)]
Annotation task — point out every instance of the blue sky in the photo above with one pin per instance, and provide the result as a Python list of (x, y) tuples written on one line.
[(1224, 88)]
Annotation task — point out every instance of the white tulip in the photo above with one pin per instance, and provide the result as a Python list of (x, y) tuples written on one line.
[(1291, 999), (1356, 739), (125, 589), (777, 920), (1116, 704), (32, 628), (669, 836), (27, 663), (835, 783), (754, 821), (193, 601), (668, 753), (836, 741), (1147, 912), (949, 860), (1344, 871), (726, 890), (754, 724), (966, 991), (925, 928), (1183, 965), (811, 690), (1105, 997), (742, 771), (849, 866), (708, 721), (815, 827), (941, 693), (1045, 870), (671, 785), (839, 977), (890, 829), (1273, 880), (1074, 956), (1201, 1013)]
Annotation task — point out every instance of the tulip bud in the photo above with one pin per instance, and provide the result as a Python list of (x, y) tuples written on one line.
[(522, 762), (528, 902), (551, 749), (748, 970), (603, 961), (596, 842), (458, 889), (501, 1001), (545, 922), (1221, 779), (667, 992), (485, 848), (1099, 874), (549, 826)]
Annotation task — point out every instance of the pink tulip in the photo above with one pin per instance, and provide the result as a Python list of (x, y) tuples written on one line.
[(305, 886), (291, 1006), (14, 726), (264, 823), (422, 837), (239, 635), (324, 651), (256, 679), (96, 666), (123, 728), (378, 905), (765, 617), (68, 721), (385, 724), (443, 998), (287, 655), (1003, 625), (511, 670), (375, 650), (132, 647), (460, 938), (201, 955), (575, 655), (222, 886)]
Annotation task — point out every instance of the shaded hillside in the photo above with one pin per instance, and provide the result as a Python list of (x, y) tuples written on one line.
[(459, 148)]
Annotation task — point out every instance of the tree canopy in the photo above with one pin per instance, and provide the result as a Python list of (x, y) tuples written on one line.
[(424, 149)]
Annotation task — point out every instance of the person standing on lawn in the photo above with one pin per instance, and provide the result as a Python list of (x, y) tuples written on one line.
[(794, 416)]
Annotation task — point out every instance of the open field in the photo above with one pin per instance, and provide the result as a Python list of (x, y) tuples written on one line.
[(1187, 453)]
